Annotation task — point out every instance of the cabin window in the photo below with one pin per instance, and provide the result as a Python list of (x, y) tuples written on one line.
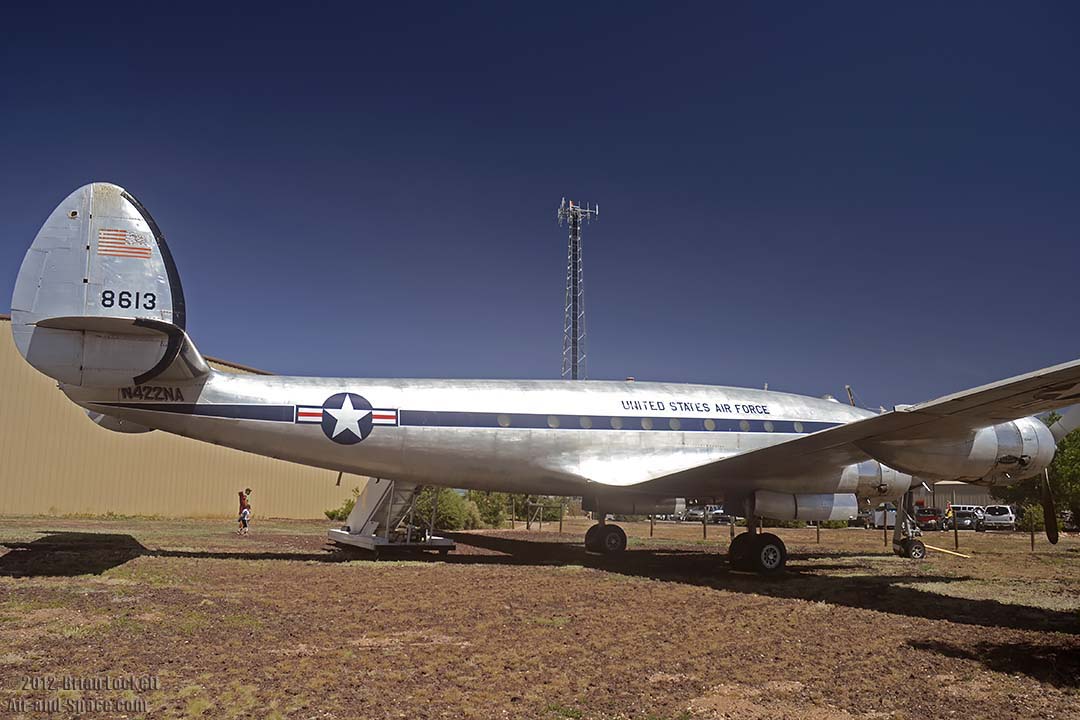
[(586, 422), (616, 423), (674, 423), (798, 426), (504, 421), (710, 424), (553, 422), (744, 425), (768, 426), (646, 423)]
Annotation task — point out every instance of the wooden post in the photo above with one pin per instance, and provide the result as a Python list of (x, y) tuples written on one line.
[(652, 524), (540, 516), (818, 526), (562, 509), (1031, 526), (955, 525), (434, 509), (513, 511), (885, 524), (704, 527)]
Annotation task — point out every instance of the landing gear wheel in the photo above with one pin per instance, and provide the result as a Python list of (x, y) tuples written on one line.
[(912, 549), (590, 538), (738, 551), (612, 540), (768, 555)]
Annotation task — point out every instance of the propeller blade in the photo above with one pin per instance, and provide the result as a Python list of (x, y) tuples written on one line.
[(1049, 511)]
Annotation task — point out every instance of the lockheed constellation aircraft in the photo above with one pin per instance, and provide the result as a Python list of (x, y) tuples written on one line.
[(98, 306)]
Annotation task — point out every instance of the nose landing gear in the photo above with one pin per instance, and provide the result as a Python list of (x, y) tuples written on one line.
[(904, 543)]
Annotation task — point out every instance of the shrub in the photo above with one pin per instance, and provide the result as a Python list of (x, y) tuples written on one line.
[(342, 512), (454, 512)]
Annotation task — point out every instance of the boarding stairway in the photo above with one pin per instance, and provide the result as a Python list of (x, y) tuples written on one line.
[(382, 518)]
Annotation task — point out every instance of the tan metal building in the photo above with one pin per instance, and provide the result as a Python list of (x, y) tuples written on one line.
[(55, 461)]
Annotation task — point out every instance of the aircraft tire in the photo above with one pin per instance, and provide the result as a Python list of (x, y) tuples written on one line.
[(913, 549), (768, 554), (591, 536), (612, 540), (738, 555)]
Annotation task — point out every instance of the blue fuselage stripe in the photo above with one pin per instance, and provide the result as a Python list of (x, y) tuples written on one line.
[(521, 421)]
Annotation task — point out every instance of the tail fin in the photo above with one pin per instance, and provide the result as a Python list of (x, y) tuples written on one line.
[(98, 300)]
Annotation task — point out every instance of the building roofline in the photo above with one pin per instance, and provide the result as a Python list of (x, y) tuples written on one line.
[(209, 358)]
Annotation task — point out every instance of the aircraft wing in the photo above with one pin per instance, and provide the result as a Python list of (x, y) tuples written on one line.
[(1036, 392)]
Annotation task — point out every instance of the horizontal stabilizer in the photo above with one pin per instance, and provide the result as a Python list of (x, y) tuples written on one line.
[(110, 351), (116, 424)]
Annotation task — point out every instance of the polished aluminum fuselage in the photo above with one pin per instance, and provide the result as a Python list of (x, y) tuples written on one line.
[(549, 437)]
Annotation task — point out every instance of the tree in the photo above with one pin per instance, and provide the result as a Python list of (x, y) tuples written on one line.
[(1064, 477)]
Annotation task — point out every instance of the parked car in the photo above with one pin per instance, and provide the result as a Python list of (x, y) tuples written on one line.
[(999, 517), (929, 518), (694, 514), (965, 520), (860, 519), (717, 516), (977, 509)]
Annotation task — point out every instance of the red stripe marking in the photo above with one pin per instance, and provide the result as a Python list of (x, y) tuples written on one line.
[(383, 416)]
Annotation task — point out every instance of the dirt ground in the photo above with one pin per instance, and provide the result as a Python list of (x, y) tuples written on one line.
[(192, 621)]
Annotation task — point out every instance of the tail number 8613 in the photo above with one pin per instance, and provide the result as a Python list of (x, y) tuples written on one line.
[(127, 299)]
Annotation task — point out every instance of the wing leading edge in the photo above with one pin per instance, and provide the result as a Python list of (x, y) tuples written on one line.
[(949, 416)]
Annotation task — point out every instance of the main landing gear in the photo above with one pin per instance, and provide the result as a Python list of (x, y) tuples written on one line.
[(765, 554), (606, 539), (762, 553)]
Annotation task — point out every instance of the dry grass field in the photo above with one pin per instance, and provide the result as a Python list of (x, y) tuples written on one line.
[(520, 624)]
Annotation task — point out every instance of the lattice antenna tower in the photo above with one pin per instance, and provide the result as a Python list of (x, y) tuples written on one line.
[(573, 346)]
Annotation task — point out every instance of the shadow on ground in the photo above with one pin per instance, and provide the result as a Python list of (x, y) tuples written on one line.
[(1057, 666), (80, 553)]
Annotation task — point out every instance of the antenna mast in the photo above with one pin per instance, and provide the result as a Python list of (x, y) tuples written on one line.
[(573, 347)]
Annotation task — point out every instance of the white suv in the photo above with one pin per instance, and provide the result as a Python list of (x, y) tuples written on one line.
[(999, 517)]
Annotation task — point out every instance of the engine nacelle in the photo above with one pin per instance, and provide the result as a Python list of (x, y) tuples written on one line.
[(633, 505), (785, 506), (998, 455), (872, 480)]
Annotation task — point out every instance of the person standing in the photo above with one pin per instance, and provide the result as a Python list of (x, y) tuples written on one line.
[(245, 512)]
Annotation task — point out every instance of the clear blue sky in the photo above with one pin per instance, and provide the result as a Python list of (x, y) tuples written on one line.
[(886, 195)]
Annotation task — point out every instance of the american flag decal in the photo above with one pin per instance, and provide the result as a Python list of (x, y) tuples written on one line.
[(308, 414), (114, 242)]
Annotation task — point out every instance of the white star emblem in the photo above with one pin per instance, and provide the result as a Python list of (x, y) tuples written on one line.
[(348, 418)]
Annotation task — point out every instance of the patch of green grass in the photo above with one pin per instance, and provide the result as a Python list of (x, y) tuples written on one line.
[(241, 621), (564, 712), (196, 707), (80, 631), (192, 622), (558, 621)]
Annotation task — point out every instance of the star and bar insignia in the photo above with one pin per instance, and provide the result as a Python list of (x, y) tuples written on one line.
[(346, 418)]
